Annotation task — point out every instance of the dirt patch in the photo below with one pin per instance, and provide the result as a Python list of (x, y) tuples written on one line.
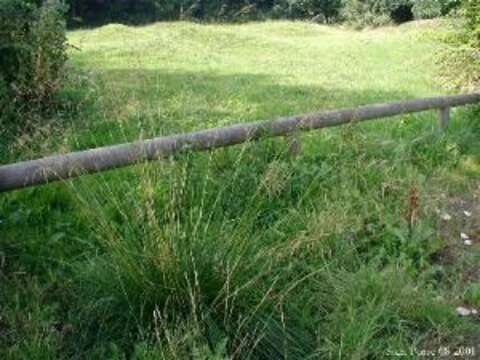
[(459, 229)]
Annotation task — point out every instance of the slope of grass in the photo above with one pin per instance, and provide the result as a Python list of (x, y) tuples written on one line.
[(247, 252)]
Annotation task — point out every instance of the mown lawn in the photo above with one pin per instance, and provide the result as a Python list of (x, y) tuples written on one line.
[(339, 251)]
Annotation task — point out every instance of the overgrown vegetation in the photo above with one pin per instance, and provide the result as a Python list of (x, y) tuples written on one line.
[(358, 12), (377, 12), (250, 252), (461, 67), (472, 13), (33, 52)]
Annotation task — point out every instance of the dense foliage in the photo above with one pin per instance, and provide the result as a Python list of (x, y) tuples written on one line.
[(428, 9), (369, 12), (33, 46), (472, 13), (461, 68), (33, 50), (377, 12)]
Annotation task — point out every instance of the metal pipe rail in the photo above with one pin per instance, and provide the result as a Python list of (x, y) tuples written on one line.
[(66, 166)]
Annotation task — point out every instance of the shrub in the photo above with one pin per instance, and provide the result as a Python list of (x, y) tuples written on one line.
[(450, 5), (459, 61), (33, 50), (472, 13), (327, 10), (376, 12), (427, 9)]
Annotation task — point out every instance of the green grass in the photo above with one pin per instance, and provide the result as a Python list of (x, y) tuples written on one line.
[(251, 251)]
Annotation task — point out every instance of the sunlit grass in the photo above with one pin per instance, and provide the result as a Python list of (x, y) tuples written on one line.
[(175, 77)]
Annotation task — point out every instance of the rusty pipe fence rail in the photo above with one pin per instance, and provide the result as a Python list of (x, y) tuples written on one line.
[(67, 166)]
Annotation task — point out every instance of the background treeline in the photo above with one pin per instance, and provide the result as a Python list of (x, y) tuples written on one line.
[(362, 12)]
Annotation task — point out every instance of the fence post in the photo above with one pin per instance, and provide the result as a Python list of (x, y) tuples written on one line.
[(443, 117)]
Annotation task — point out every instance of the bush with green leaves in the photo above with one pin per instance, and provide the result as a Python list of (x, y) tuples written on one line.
[(33, 49), (459, 61), (379, 12), (363, 13), (450, 6), (427, 9), (320, 10), (472, 13)]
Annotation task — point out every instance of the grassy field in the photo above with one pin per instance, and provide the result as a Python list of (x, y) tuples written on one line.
[(338, 252)]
